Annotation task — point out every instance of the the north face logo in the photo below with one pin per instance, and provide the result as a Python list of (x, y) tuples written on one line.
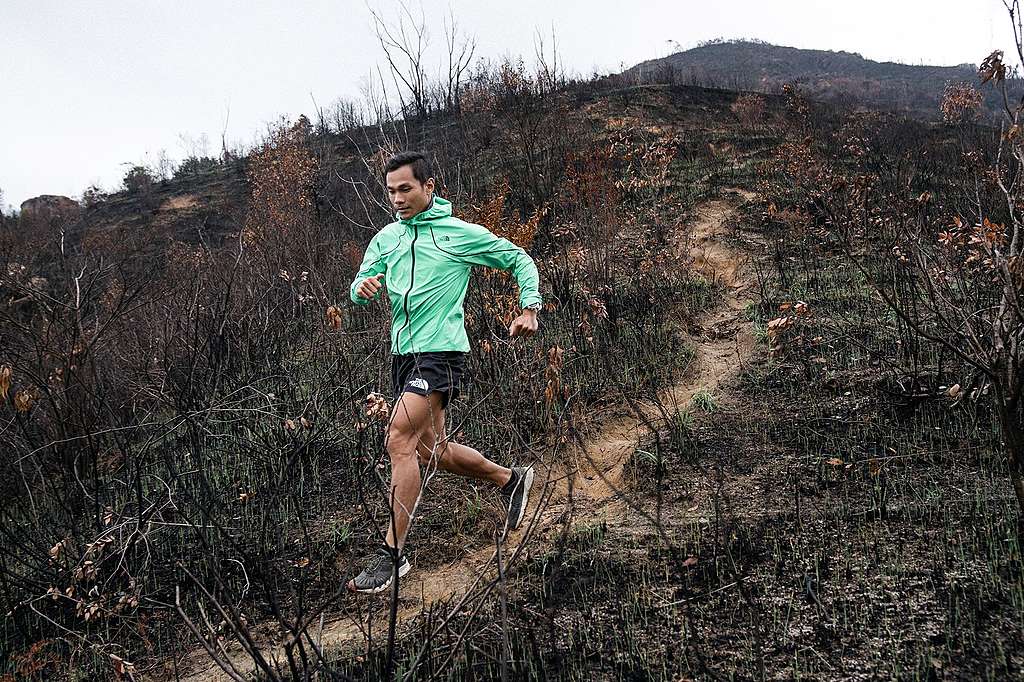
[(445, 238), (420, 383)]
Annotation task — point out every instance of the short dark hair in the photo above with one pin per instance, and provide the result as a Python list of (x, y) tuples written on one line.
[(421, 166)]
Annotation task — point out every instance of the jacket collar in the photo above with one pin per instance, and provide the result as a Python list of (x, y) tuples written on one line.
[(438, 208)]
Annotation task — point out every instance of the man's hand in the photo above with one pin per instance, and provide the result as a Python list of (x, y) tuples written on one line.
[(524, 325), (369, 287)]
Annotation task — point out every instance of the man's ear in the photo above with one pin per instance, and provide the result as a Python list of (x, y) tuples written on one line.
[(429, 185)]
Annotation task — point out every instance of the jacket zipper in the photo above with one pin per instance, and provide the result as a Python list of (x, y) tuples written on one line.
[(412, 278)]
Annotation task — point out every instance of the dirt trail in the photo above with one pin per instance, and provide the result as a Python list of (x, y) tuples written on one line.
[(719, 353)]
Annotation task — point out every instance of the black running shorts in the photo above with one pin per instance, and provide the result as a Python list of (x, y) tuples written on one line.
[(422, 373)]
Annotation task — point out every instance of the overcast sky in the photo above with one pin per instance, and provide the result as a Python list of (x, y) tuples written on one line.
[(88, 87)]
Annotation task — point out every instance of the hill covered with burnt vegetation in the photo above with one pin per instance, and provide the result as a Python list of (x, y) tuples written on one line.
[(773, 403)]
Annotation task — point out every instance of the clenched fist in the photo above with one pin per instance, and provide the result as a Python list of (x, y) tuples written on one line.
[(524, 325), (369, 287)]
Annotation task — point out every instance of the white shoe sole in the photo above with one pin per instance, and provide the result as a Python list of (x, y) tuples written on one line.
[(402, 570), (527, 482)]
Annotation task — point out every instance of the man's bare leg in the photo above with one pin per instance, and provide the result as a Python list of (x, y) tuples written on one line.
[(417, 431), (409, 419), (465, 461), (454, 457)]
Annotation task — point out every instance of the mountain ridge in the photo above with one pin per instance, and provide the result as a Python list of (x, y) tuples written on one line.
[(838, 76)]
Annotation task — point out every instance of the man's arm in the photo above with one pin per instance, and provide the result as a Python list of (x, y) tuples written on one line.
[(482, 247), (373, 265)]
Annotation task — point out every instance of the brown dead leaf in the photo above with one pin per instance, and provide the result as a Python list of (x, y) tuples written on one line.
[(5, 381), (555, 354), (334, 317), (23, 401), (992, 67), (377, 407), (56, 550), (551, 390)]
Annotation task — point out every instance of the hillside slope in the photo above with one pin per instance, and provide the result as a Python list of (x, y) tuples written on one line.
[(842, 77)]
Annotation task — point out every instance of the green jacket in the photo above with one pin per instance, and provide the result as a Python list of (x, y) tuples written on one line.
[(426, 260)]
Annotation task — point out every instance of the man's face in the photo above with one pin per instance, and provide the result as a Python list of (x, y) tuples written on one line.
[(408, 195)]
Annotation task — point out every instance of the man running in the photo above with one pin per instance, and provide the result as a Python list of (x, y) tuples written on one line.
[(423, 260)]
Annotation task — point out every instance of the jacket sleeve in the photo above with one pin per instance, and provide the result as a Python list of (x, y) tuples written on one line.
[(373, 264), (483, 247)]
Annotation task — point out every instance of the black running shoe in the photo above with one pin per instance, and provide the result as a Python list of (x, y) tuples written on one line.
[(377, 576), (516, 493)]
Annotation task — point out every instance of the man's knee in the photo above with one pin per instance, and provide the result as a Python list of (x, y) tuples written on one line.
[(400, 443), (412, 434), (430, 448)]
